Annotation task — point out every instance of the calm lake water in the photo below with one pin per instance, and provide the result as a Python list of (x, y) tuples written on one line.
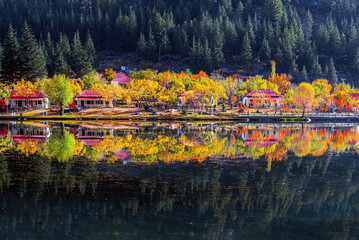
[(110, 180)]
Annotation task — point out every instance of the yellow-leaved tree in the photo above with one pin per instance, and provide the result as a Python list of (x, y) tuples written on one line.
[(304, 97)]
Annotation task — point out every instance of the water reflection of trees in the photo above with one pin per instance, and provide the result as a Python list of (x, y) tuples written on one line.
[(142, 146), (308, 185), (195, 200)]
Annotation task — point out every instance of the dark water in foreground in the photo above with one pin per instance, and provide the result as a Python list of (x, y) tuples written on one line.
[(178, 181)]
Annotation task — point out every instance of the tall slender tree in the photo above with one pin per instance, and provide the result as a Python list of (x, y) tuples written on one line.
[(10, 62), (31, 64), (79, 59)]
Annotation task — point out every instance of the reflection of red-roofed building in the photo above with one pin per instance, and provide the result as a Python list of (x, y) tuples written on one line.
[(88, 98), (4, 132), (120, 79), (122, 155), (26, 132), (261, 139), (268, 96), (36, 100), (3, 104), (90, 137)]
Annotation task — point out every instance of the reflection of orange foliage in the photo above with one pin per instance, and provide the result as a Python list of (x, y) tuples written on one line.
[(29, 147)]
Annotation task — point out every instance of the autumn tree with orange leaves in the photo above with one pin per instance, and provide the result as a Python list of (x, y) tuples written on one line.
[(282, 81), (304, 97)]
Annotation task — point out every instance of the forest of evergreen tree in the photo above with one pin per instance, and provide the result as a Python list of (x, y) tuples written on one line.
[(308, 39)]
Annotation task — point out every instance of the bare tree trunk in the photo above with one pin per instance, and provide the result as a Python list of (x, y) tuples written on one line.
[(62, 110)]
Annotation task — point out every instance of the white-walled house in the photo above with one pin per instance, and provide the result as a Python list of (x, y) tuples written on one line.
[(35, 100), (88, 99), (270, 97)]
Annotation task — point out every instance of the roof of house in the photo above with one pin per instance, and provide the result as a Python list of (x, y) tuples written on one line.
[(37, 95), (121, 78), (264, 92), (355, 95), (89, 94)]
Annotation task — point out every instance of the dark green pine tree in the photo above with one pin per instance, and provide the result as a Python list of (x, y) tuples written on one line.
[(65, 46), (207, 55), (303, 76), (356, 63), (151, 46), (316, 69), (278, 57), (142, 45), (273, 9), (246, 53), (308, 26), (218, 56), (194, 53), (79, 60), (42, 61), (10, 62), (58, 63), (90, 50), (265, 51), (31, 64), (294, 68), (165, 44), (332, 73), (1, 55)]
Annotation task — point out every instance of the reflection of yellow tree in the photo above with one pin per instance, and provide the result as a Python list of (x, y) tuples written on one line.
[(278, 155), (301, 143)]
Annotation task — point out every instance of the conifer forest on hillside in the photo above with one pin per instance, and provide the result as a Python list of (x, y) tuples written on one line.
[(307, 39)]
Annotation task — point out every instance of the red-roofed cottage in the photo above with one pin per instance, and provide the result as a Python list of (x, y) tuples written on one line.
[(35, 100), (355, 96), (88, 99), (91, 137), (269, 96), (120, 79)]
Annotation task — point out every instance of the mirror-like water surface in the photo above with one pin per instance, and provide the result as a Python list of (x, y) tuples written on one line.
[(177, 181)]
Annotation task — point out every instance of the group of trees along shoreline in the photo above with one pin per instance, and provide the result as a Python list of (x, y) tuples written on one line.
[(307, 39)]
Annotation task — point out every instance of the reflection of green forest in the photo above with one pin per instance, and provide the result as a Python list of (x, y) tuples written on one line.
[(240, 200)]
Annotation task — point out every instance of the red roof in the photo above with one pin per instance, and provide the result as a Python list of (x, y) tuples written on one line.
[(355, 95), (266, 93), (121, 78), (88, 95), (36, 139), (35, 96)]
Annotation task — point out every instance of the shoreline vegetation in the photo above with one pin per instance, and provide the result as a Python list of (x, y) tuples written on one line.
[(314, 118)]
